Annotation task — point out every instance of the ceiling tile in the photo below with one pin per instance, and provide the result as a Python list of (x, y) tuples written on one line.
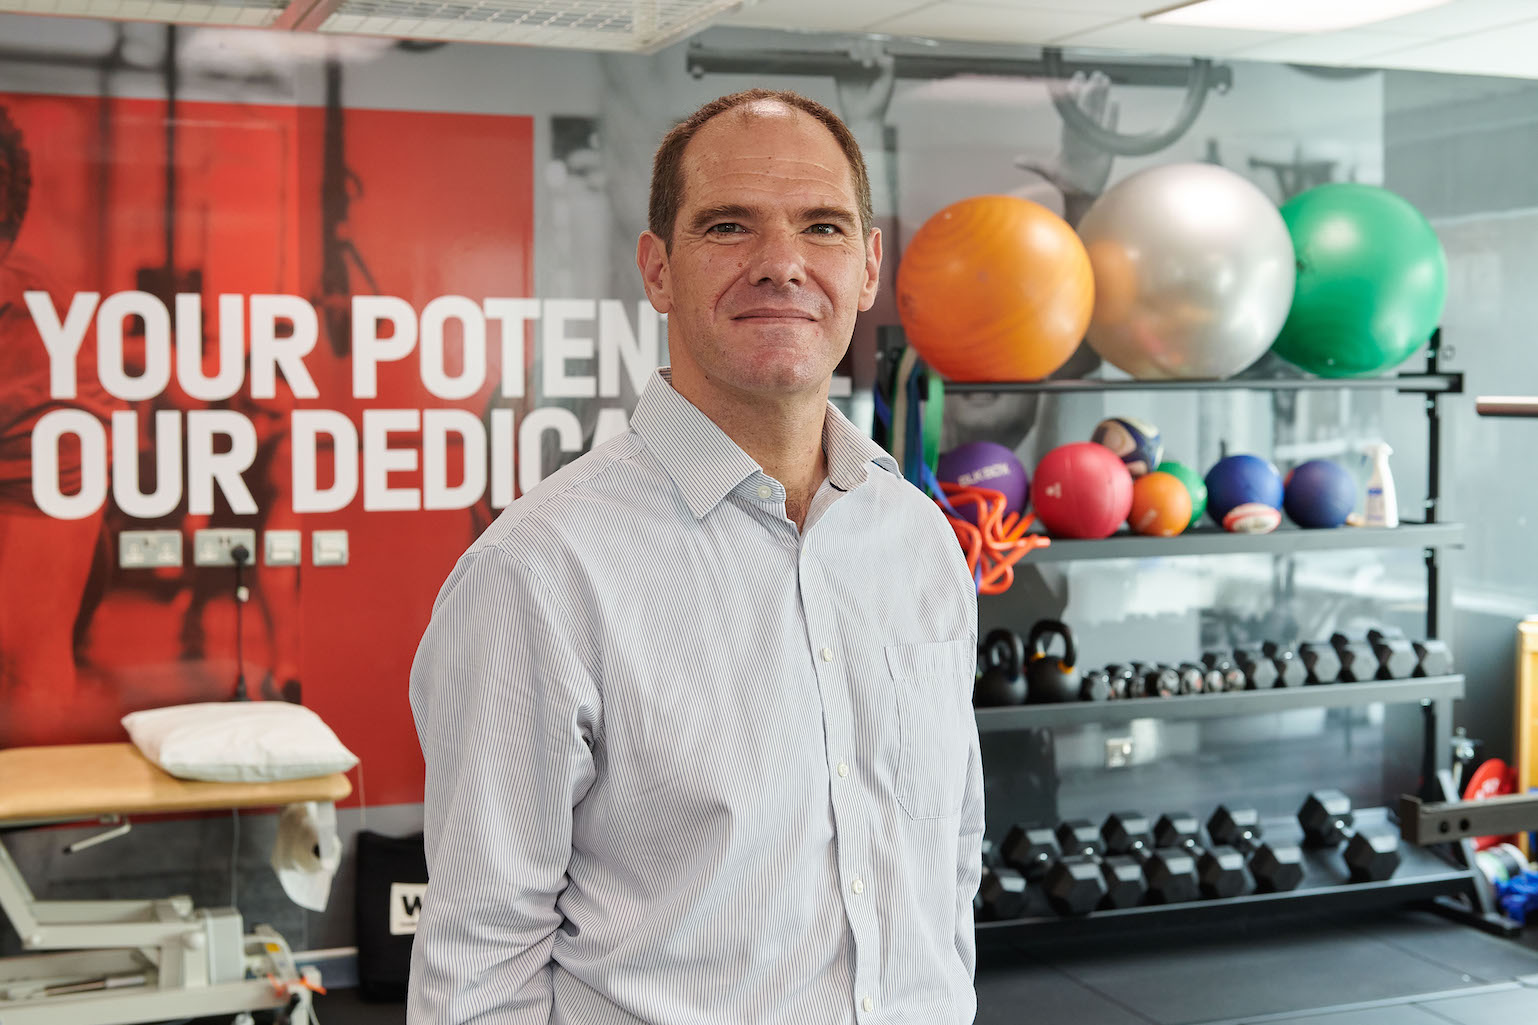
[(1459, 17), (1350, 46), (1125, 8), (992, 23), (821, 15), (1135, 34), (1508, 50)]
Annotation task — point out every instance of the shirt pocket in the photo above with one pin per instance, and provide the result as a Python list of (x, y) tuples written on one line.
[(929, 682)]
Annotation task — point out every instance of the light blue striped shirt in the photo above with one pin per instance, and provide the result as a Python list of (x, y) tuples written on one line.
[(689, 766)]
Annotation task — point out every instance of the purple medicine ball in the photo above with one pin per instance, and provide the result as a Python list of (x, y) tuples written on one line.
[(1320, 494), (984, 464)]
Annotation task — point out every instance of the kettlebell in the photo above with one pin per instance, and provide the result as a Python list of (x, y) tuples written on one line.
[(1049, 678), (1001, 681)]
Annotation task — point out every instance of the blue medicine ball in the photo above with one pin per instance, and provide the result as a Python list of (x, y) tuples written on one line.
[(1320, 493), (1240, 479)]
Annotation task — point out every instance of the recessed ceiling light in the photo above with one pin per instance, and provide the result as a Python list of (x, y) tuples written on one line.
[(1287, 15)]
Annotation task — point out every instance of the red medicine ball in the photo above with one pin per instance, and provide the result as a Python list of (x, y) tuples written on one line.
[(1081, 490)]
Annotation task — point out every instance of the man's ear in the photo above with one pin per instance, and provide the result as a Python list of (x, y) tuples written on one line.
[(651, 257), (872, 270)]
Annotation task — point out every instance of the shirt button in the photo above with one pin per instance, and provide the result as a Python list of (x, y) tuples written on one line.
[(858, 886), (843, 770), (867, 1005), (827, 654), (764, 491)]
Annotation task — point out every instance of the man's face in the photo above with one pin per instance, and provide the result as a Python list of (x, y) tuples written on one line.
[(769, 264)]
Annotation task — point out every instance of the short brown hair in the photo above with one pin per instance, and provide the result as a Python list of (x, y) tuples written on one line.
[(667, 167), (15, 180)]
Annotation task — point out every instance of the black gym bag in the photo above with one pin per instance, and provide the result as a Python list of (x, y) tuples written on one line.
[(392, 875)]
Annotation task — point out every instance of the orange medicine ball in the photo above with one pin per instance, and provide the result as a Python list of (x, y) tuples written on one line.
[(995, 288), (1161, 505)]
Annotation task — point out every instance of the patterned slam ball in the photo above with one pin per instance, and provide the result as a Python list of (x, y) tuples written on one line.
[(1242, 480), (1081, 490), (985, 464), (1319, 494), (1252, 518), (1194, 485), (1135, 443)]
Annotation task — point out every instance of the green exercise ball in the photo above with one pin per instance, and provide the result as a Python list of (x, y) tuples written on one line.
[(1372, 279), (1194, 484)]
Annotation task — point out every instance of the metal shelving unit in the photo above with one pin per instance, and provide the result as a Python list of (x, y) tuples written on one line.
[(1215, 706), (1427, 384), (1418, 713), (1212, 541), (1423, 875)]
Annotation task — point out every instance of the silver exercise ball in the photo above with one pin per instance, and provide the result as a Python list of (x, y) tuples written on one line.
[(1194, 272)]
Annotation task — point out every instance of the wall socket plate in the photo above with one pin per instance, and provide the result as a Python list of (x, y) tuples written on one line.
[(328, 548), (147, 549), (1118, 752), (282, 547), (212, 547)]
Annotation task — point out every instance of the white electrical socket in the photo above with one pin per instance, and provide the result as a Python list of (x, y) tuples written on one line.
[(147, 549), (212, 547), (281, 547), (1118, 752), (328, 548)]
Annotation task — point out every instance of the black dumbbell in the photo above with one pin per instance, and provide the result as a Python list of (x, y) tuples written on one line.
[(1290, 671), (1170, 873), (1258, 669), (1276, 867), (1095, 685), (1396, 658), (1120, 676), (1326, 820), (1321, 662), (1358, 662), (1023, 858), (1153, 681), (1085, 880), (1030, 850), (1230, 676), (1219, 869), (1002, 892), (1431, 657), (1193, 678)]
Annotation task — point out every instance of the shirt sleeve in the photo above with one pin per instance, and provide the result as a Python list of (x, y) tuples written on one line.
[(969, 866), (507, 710)]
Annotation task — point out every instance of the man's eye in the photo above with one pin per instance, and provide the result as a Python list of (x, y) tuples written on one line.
[(825, 229), (726, 228)]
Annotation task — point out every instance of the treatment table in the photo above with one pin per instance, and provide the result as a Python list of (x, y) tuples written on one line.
[(120, 961)]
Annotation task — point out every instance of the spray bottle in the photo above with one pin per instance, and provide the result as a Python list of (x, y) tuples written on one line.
[(1382, 503)]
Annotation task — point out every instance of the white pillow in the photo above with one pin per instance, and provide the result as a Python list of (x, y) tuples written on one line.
[(238, 741)]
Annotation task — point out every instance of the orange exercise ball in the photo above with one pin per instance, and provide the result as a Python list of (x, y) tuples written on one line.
[(995, 288), (1161, 505)]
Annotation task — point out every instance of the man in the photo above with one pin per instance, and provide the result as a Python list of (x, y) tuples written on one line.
[(696, 709), (45, 563)]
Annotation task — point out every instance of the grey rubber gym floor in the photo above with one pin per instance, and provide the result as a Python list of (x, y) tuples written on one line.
[(1404, 968)]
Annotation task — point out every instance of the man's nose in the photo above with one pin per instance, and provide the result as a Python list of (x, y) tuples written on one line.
[(777, 260)]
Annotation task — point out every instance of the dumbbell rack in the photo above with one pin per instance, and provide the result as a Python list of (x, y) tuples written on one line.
[(1424, 875), (1418, 712)]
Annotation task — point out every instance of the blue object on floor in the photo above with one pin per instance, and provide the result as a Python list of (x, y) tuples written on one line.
[(1519, 896)]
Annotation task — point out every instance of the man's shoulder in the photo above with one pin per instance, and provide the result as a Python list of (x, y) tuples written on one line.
[(544, 514)]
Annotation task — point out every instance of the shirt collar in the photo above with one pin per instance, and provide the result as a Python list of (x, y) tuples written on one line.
[(706, 464)]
